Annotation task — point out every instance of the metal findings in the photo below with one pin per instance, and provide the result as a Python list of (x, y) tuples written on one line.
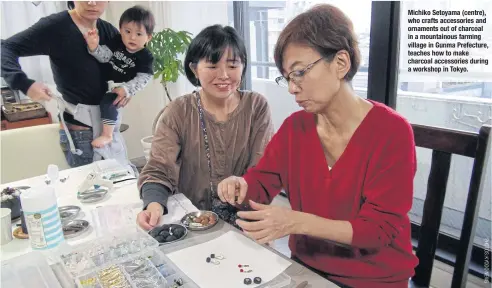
[(216, 256), (213, 261)]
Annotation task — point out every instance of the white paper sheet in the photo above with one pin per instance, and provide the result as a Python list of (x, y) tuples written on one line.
[(238, 249)]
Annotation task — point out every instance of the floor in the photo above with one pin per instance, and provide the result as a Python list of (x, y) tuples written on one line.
[(441, 274)]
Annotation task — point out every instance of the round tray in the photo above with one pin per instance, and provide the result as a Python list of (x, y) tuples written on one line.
[(68, 213), (74, 228), (166, 228), (187, 220)]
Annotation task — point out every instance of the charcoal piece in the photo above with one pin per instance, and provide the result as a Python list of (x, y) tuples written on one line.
[(171, 238), (159, 238)]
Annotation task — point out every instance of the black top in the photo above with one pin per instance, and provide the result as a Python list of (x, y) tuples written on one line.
[(77, 74), (123, 65)]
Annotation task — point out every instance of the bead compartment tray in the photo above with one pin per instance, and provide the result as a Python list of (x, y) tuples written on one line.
[(139, 272), (101, 251)]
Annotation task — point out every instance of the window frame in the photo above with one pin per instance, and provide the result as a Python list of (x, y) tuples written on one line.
[(382, 87)]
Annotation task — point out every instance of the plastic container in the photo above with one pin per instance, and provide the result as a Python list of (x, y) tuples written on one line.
[(129, 273), (109, 249), (111, 219), (42, 217), (27, 271)]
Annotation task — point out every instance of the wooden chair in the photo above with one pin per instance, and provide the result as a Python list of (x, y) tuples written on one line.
[(444, 143)]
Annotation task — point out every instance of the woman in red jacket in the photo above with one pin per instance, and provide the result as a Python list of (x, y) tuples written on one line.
[(346, 163)]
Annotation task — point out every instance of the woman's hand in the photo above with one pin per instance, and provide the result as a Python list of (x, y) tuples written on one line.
[(121, 100), (232, 187), (150, 217), (92, 39), (270, 222), (39, 92)]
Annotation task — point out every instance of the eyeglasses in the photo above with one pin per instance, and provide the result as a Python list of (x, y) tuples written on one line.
[(296, 75)]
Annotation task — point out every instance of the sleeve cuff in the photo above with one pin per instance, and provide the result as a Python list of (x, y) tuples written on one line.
[(155, 192), (25, 84)]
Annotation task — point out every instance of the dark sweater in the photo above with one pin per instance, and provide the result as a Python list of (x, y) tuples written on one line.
[(77, 74)]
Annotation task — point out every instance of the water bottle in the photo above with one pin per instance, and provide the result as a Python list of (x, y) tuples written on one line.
[(42, 217)]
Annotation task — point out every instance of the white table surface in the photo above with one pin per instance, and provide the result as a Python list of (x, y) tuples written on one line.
[(123, 193), (127, 194)]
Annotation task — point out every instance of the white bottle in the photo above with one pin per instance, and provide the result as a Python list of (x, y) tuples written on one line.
[(42, 218)]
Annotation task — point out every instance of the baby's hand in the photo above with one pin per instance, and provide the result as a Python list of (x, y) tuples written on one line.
[(92, 39)]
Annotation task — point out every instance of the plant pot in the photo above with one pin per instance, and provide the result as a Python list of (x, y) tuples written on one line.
[(14, 205), (146, 145)]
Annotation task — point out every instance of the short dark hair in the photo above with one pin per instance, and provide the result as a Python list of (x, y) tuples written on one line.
[(326, 29), (211, 44), (139, 15), (70, 5)]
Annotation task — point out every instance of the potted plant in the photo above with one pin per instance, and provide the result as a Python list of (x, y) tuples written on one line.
[(166, 46)]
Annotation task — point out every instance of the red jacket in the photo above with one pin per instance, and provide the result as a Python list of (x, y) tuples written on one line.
[(371, 186)]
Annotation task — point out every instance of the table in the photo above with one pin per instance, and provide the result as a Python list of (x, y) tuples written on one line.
[(129, 195)]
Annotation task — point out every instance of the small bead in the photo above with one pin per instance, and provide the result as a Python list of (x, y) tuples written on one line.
[(208, 259), (212, 255), (257, 280), (247, 281), (241, 270)]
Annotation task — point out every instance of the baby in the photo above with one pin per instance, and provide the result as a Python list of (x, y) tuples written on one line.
[(131, 65)]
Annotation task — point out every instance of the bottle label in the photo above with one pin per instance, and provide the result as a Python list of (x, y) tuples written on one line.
[(44, 228)]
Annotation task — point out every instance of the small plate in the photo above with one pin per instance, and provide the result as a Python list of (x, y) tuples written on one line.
[(169, 233), (74, 228), (189, 220), (68, 213), (92, 196)]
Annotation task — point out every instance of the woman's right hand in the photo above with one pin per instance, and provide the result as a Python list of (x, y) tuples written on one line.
[(39, 92), (150, 217), (232, 187), (92, 39)]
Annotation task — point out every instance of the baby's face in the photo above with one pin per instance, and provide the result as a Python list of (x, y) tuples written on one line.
[(134, 36)]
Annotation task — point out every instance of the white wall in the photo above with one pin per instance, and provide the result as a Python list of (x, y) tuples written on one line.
[(191, 16)]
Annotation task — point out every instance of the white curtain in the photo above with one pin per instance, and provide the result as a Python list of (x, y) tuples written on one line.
[(18, 16)]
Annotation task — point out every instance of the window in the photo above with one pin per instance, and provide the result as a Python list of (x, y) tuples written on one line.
[(463, 103), (266, 21)]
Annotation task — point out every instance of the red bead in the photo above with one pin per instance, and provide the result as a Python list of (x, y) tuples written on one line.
[(241, 270), (239, 265)]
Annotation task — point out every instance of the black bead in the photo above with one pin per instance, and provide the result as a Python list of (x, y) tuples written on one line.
[(208, 260), (171, 238), (247, 281), (212, 255), (257, 280)]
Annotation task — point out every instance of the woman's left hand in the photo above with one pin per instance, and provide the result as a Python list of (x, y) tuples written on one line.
[(121, 100), (270, 222)]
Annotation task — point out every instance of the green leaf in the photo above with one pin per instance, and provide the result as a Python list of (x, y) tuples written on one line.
[(166, 46)]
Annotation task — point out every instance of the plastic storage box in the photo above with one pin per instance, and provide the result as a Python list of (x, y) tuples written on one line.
[(27, 271), (160, 273), (120, 246)]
